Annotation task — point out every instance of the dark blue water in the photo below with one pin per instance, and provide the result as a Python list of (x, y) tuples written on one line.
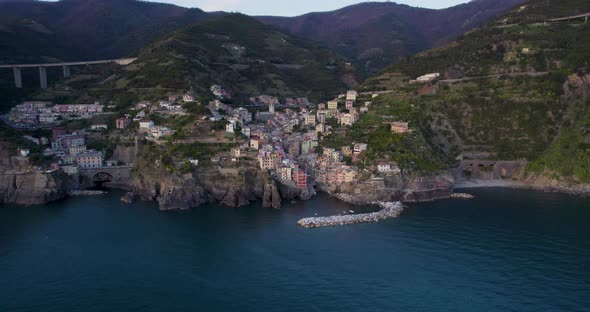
[(507, 250)]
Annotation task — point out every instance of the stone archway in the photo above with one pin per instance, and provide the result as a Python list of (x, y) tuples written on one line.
[(102, 177)]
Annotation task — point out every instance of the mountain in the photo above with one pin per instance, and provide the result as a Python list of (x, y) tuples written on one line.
[(85, 29), (244, 56), (515, 90), (378, 34)]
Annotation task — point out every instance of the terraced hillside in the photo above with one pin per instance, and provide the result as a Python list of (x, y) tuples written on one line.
[(242, 55), (516, 89)]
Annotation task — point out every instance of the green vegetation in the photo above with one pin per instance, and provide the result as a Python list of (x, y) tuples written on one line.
[(174, 157), (374, 128), (537, 117), (570, 155), (237, 52)]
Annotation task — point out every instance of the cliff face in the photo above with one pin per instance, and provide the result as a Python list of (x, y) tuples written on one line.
[(21, 184), (174, 191), (405, 188), (34, 188), (515, 172)]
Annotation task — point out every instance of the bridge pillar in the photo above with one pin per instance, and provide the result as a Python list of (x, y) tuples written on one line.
[(586, 19), (67, 72), (18, 78), (43, 77)]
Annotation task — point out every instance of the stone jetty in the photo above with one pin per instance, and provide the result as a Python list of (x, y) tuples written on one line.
[(86, 193), (462, 196), (390, 210)]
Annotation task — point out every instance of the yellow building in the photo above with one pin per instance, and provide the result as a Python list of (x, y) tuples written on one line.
[(332, 105)]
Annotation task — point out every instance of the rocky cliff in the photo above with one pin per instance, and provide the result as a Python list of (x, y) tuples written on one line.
[(22, 184), (34, 188), (405, 187), (515, 174), (176, 191)]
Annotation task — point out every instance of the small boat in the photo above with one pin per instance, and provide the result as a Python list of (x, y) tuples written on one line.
[(351, 211)]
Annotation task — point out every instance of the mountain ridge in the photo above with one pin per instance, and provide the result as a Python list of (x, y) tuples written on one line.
[(377, 34)]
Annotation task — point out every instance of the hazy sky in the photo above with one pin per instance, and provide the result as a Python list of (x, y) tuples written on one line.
[(293, 7)]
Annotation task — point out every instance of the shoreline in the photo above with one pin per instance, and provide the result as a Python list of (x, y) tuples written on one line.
[(477, 183), (510, 184)]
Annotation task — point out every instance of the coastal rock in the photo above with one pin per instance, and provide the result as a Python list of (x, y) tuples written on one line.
[(174, 191), (271, 196), (405, 188), (128, 198), (35, 188)]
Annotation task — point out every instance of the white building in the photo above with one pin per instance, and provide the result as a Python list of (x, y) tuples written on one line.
[(384, 167), (158, 132), (360, 147), (146, 124), (351, 95), (426, 78), (98, 127), (188, 97)]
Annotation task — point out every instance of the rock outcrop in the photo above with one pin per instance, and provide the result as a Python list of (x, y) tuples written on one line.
[(392, 188), (22, 184), (34, 188), (514, 173), (174, 191)]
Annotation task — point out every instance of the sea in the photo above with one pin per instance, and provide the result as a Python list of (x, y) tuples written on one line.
[(505, 250)]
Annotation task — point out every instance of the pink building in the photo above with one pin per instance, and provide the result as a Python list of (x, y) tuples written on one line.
[(123, 123), (300, 179), (90, 160), (57, 132)]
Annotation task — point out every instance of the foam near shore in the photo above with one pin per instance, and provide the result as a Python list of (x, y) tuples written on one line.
[(390, 210), (462, 196), (86, 193)]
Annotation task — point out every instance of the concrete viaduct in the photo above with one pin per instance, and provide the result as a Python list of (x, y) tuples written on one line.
[(567, 18), (18, 80)]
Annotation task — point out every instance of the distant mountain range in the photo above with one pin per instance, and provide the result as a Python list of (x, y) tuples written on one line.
[(86, 29), (373, 34), (332, 50), (377, 34), (241, 54)]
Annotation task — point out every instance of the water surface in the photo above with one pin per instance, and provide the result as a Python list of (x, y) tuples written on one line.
[(507, 250)]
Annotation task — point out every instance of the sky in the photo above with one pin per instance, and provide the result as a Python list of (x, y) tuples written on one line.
[(292, 7)]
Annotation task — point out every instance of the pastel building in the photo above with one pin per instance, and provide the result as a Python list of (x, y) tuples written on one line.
[(90, 159)]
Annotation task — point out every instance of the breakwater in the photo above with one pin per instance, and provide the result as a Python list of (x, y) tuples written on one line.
[(462, 196), (86, 193), (390, 210)]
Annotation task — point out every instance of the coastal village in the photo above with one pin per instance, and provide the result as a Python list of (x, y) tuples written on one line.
[(283, 138)]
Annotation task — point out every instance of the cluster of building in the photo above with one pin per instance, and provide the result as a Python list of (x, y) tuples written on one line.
[(220, 93), (71, 152), (286, 142), (150, 129), (171, 105), (36, 112), (267, 100)]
